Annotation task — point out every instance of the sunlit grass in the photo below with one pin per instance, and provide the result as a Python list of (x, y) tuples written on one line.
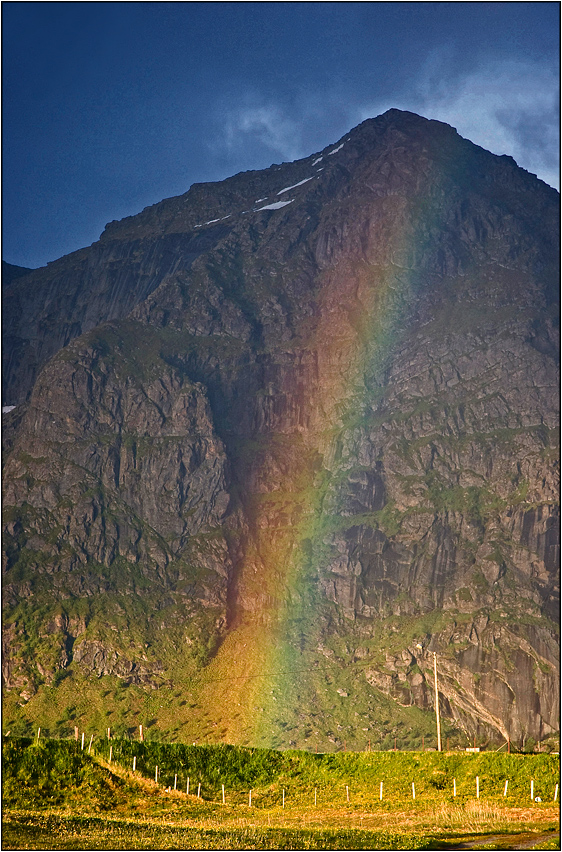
[(58, 797)]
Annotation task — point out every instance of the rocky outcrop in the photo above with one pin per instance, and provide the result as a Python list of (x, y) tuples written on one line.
[(138, 466), (319, 401), (10, 272)]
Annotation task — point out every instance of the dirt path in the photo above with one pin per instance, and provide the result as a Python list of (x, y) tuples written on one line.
[(529, 840)]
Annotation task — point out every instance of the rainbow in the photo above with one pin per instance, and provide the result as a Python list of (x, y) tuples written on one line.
[(332, 381)]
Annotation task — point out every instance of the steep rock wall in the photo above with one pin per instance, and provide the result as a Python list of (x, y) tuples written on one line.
[(329, 428)]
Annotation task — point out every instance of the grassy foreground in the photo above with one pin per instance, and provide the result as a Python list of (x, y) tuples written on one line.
[(57, 796)]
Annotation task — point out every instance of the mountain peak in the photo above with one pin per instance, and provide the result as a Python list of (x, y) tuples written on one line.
[(273, 442)]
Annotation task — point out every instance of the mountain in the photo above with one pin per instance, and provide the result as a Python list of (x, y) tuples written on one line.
[(278, 441), (10, 272)]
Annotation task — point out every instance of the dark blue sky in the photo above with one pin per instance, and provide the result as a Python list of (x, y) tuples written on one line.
[(109, 107)]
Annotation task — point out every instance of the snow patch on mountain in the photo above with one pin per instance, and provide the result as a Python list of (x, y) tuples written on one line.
[(335, 151), (300, 183), (212, 221), (276, 205)]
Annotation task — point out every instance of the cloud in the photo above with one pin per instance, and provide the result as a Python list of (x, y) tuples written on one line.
[(508, 107), (266, 125), (254, 125)]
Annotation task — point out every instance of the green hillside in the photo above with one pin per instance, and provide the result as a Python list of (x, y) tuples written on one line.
[(58, 795)]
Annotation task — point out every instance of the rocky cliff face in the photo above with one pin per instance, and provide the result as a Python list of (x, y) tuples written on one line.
[(10, 272), (278, 440)]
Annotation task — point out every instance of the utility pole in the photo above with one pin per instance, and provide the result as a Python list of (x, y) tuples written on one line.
[(437, 702)]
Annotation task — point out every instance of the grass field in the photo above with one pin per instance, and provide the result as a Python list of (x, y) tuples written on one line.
[(57, 796)]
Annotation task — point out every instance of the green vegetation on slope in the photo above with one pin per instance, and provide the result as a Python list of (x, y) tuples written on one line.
[(58, 796), (48, 771)]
